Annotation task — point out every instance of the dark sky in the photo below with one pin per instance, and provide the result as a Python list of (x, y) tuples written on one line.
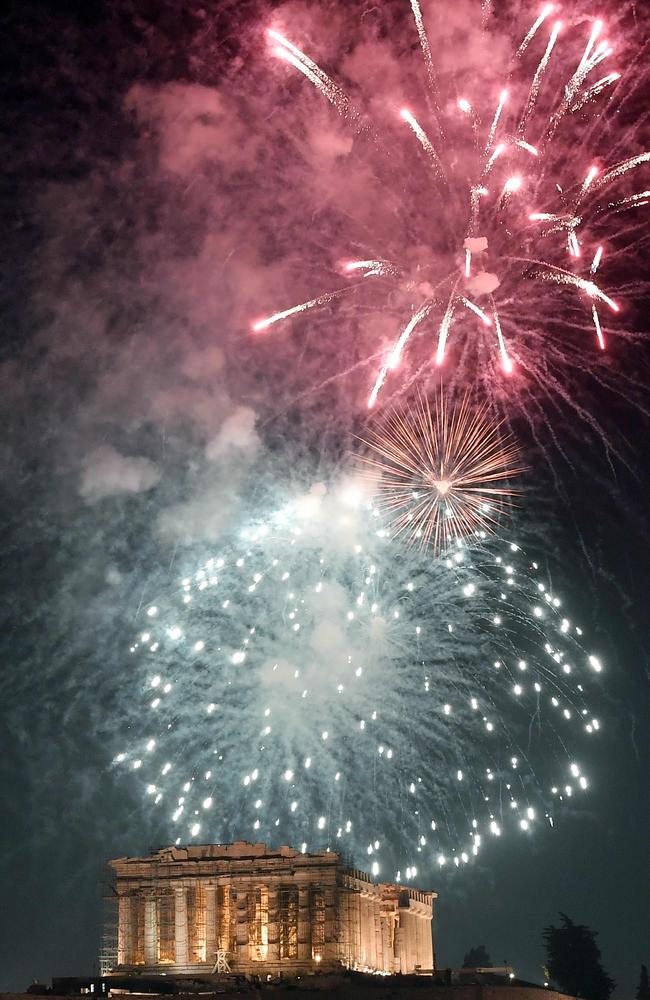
[(160, 188)]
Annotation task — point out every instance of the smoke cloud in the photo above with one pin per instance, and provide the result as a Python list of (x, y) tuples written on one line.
[(176, 182), (107, 474)]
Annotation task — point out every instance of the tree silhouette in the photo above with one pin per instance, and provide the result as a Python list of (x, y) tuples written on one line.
[(643, 989), (478, 958), (574, 961)]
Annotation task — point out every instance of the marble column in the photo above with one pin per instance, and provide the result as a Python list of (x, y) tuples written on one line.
[(386, 963), (241, 928), (273, 954), (330, 948), (224, 917), (414, 920), (365, 944), (371, 949), (392, 951), (405, 940), (304, 924), (427, 951), (180, 925), (410, 940), (150, 930), (344, 927), (360, 957), (429, 962), (125, 931), (379, 948), (359, 939), (417, 928), (210, 925), (419, 943), (400, 945)]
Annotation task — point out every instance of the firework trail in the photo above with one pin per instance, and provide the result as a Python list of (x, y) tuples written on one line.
[(312, 650), (518, 203), (440, 474)]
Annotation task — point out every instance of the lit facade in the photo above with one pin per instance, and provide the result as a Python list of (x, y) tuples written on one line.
[(246, 908)]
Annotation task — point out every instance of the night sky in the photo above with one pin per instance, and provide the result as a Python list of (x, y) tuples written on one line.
[(164, 184)]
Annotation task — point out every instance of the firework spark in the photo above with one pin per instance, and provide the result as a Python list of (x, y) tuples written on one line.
[(317, 682), (523, 154), (441, 474), (264, 324)]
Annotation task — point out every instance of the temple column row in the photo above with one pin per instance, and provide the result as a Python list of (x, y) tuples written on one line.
[(180, 928), (413, 942), (144, 908), (126, 928), (363, 930)]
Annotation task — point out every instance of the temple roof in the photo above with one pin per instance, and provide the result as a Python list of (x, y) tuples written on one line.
[(241, 850), (206, 859)]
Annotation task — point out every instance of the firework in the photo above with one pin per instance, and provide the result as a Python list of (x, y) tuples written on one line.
[(314, 683), (440, 474), (499, 252)]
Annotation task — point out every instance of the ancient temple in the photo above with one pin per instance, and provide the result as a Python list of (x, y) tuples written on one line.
[(245, 908)]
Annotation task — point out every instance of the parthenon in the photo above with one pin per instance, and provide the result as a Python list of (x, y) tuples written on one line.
[(249, 909)]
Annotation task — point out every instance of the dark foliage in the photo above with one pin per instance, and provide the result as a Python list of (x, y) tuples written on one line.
[(574, 961), (643, 989), (477, 958)]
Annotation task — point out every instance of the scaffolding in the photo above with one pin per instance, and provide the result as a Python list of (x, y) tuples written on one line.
[(196, 923), (288, 921), (226, 921), (166, 926), (110, 923), (258, 923), (136, 901), (317, 923), (348, 906)]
